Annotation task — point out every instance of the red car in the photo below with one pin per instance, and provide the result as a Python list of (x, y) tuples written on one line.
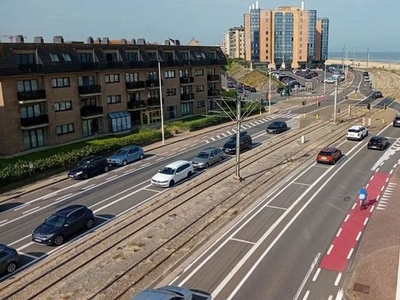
[(329, 155)]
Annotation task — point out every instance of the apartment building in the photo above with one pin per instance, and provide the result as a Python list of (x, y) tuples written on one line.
[(234, 43), (285, 37), (54, 93)]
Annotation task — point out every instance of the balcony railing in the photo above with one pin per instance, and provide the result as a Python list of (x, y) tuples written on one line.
[(212, 77), (34, 121), (137, 104), (135, 85), (115, 64), (136, 64), (30, 68), (153, 101), (187, 97), (31, 95), (213, 92), (186, 80), (153, 83), (153, 63), (91, 110), (90, 66), (89, 89)]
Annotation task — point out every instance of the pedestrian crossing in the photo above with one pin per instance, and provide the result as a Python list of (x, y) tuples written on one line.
[(251, 124), (386, 196)]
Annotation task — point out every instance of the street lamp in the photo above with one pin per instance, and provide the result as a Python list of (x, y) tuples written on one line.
[(269, 91), (325, 75), (161, 103), (335, 100)]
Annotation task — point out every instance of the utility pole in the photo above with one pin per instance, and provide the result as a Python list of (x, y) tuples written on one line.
[(238, 125), (269, 91), (343, 58), (367, 56), (335, 101), (161, 103), (325, 75)]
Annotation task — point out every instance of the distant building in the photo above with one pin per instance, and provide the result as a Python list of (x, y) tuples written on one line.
[(233, 43), (194, 42), (54, 93), (286, 37)]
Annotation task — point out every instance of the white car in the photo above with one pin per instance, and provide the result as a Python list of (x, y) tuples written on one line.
[(330, 80), (357, 132), (173, 173)]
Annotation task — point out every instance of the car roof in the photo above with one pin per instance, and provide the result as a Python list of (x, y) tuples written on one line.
[(356, 127), (177, 164), (154, 294), (210, 149), (376, 137), (69, 209), (328, 149), (129, 147), (5, 247)]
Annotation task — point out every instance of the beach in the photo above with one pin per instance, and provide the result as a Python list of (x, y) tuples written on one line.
[(363, 64)]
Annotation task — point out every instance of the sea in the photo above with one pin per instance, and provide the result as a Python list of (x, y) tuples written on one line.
[(387, 57)]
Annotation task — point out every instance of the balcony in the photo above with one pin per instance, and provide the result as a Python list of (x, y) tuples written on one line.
[(187, 80), (170, 63), (90, 66), (135, 85), (212, 77), (115, 65), (91, 111), (137, 104), (136, 64), (37, 121), (153, 63), (30, 68), (153, 101), (187, 97), (151, 83), (89, 90), (213, 93), (31, 96)]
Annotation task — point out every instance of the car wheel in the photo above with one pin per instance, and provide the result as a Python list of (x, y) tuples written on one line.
[(171, 183), (106, 169), (141, 156), (58, 240), (206, 165), (89, 223), (85, 176), (124, 162), (189, 174), (11, 267)]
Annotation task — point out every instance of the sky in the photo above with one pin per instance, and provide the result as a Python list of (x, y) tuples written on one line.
[(354, 24)]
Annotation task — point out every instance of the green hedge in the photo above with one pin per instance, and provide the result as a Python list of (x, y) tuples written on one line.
[(20, 169)]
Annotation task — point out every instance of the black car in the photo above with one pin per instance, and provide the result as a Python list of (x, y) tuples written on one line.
[(378, 142), (245, 143), (396, 121), (9, 259), (365, 73), (277, 127), (377, 94), (63, 224), (88, 167), (253, 90)]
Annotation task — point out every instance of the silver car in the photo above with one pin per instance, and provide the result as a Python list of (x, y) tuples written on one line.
[(208, 157)]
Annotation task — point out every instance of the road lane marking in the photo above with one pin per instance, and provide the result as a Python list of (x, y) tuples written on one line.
[(151, 190), (347, 217), (306, 295), (316, 274), (3, 221), (339, 231), (87, 187), (366, 221), (338, 279), (112, 177), (275, 207), (30, 210), (101, 176), (354, 205), (21, 207), (49, 195), (242, 241), (28, 255), (313, 264), (350, 253), (330, 249), (63, 198), (301, 183), (103, 218), (25, 246), (330, 297), (19, 240)]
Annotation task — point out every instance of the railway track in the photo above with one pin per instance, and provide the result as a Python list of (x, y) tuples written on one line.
[(45, 279)]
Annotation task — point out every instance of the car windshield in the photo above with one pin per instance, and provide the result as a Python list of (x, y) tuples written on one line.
[(274, 125), (325, 153), (203, 155), (121, 152), (84, 163), (354, 130), (376, 140), (55, 221), (168, 171)]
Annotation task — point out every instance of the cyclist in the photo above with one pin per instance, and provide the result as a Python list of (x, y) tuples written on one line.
[(363, 196)]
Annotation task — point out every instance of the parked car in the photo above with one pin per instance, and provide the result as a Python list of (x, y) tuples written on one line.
[(367, 79), (396, 121), (357, 132), (365, 73), (126, 155), (253, 90), (88, 167), (173, 173), (329, 80), (378, 142), (63, 224), (376, 94), (277, 127), (171, 292), (329, 155), (9, 259), (208, 157), (246, 142)]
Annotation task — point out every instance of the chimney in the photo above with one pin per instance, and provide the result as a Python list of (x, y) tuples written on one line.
[(177, 43), (98, 40), (19, 39), (38, 40), (253, 6), (58, 39), (302, 5), (256, 4), (141, 41), (167, 42), (106, 40), (90, 40), (133, 41), (123, 41)]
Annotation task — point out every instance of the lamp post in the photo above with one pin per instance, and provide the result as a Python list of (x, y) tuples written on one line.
[(269, 91), (325, 75), (335, 100), (161, 103)]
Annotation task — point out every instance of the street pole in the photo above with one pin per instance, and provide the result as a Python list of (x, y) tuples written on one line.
[(367, 57), (161, 103), (269, 91), (335, 101), (238, 121), (325, 76)]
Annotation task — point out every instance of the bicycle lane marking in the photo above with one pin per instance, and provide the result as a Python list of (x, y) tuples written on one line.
[(343, 244)]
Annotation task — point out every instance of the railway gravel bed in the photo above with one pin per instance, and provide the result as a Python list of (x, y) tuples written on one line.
[(126, 255)]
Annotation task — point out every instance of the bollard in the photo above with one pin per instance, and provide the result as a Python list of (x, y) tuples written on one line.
[(383, 120), (303, 139), (317, 116)]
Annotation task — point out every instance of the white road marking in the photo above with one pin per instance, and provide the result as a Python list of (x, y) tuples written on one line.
[(366, 221), (275, 207), (3, 221), (301, 183), (316, 274), (339, 231), (103, 218), (19, 240), (350, 253), (112, 177), (28, 255), (330, 249), (358, 235), (306, 295), (20, 207), (354, 205), (25, 246), (242, 241), (338, 279), (314, 263), (151, 190), (30, 210), (87, 187), (347, 217)]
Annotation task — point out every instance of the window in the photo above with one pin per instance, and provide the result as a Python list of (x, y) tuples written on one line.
[(132, 77), (26, 59), (27, 85), (85, 57), (63, 105), (33, 138), (60, 82), (54, 58), (111, 99), (131, 56), (134, 96), (199, 72), (85, 80), (169, 74), (211, 71), (184, 73), (119, 121), (111, 78), (66, 57), (199, 88), (152, 56), (171, 92), (64, 129), (30, 111), (186, 108), (152, 75), (201, 104)]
